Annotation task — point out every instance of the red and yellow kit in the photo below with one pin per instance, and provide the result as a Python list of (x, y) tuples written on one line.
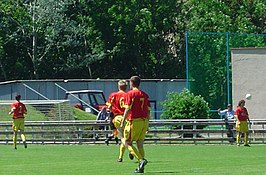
[(116, 102), (19, 110), (242, 113), (138, 102), (138, 117)]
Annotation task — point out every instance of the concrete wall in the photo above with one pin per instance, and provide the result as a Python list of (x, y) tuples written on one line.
[(156, 88), (249, 76)]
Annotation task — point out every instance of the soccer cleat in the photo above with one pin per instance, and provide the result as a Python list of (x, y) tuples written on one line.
[(15, 148), (247, 145), (107, 141), (138, 170), (116, 140), (238, 144), (142, 164), (120, 160), (25, 144), (131, 157)]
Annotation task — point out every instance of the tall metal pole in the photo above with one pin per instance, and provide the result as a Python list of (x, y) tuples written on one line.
[(228, 69), (187, 72)]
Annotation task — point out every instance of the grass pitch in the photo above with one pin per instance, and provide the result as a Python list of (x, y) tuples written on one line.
[(163, 159)]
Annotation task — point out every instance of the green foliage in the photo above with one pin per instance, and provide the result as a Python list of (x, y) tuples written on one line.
[(112, 39), (185, 105), (82, 115)]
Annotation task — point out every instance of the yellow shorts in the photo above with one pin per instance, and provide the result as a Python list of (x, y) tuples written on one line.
[(117, 121), (136, 129), (18, 124), (242, 126)]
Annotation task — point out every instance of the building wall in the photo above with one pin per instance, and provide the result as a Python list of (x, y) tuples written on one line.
[(249, 76), (29, 89)]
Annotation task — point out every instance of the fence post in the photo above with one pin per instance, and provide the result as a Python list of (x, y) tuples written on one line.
[(263, 134), (182, 135), (194, 129), (7, 134), (42, 136), (59, 111)]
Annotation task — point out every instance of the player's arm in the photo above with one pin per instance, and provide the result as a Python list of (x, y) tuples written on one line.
[(237, 120), (12, 111), (124, 117), (248, 118), (25, 110)]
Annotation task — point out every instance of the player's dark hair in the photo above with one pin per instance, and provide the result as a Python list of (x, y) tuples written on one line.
[(135, 80), (18, 97), (240, 102)]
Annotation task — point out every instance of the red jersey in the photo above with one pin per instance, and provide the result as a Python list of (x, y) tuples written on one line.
[(116, 102), (19, 110), (241, 113), (138, 102)]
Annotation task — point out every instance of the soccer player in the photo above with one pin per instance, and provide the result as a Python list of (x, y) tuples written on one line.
[(18, 110), (137, 114), (115, 104), (241, 115)]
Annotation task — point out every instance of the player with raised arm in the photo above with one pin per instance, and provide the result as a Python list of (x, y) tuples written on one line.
[(137, 114), (18, 110), (115, 104)]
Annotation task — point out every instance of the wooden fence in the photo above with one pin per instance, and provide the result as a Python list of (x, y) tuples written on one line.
[(195, 131)]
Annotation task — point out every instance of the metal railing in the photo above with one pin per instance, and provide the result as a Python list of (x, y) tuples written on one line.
[(197, 131)]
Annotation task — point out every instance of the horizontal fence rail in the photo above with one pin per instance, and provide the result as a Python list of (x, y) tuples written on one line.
[(194, 131)]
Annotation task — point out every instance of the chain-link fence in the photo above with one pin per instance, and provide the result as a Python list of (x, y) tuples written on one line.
[(208, 58)]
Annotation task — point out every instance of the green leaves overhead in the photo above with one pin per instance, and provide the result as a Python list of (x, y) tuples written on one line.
[(112, 39)]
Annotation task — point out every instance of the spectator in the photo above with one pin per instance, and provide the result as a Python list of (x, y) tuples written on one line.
[(103, 115), (228, 118)]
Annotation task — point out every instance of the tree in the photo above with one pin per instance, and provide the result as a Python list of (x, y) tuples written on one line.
[(139, 37), (14, 41)]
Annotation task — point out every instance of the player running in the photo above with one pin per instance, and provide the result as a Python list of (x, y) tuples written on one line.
[(137, 113), (115, 103), (18, 110)]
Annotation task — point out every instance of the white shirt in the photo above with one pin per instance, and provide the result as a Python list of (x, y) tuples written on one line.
[(227, 114)]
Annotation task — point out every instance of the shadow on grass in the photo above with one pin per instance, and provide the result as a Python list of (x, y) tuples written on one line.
[(162, 172)]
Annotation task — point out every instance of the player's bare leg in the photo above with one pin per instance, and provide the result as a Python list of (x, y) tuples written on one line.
[(23, 138), (246, 139), (15, 135), (141, 148), (123, 146), (143, 162), (238, 138)]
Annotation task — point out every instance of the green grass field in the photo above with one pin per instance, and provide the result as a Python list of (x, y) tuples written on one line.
[(163, 159)]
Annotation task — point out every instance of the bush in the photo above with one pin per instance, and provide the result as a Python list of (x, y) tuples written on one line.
[(185, 105)]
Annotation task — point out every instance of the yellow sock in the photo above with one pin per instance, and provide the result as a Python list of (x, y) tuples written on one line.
[(142, 153), (246, 139), (23, 137), (238, 138), (121, 151), (15, 140), (133, 150)]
